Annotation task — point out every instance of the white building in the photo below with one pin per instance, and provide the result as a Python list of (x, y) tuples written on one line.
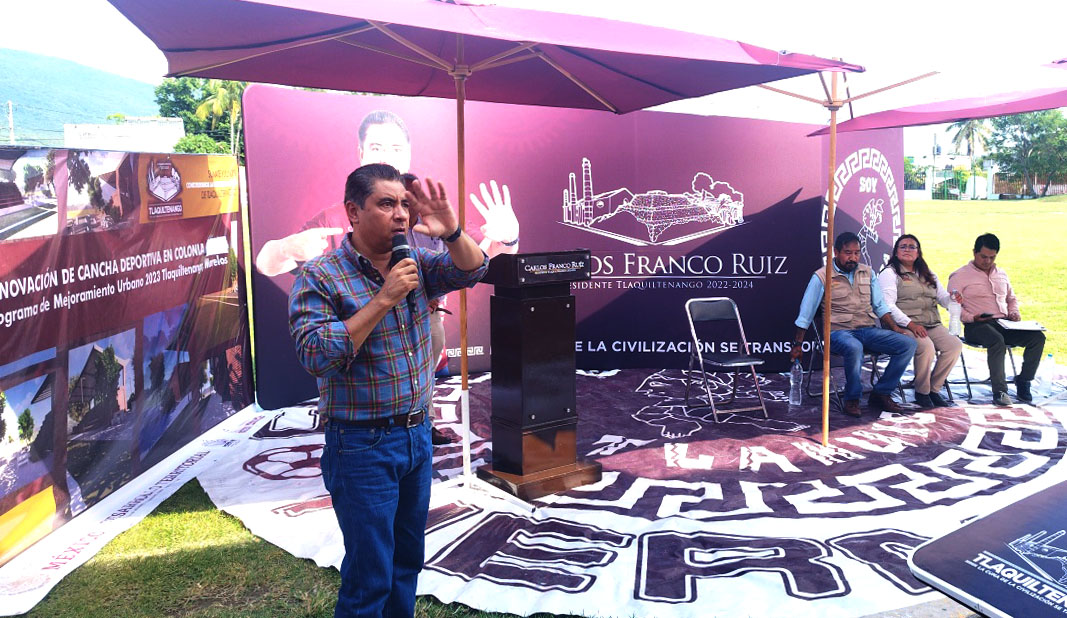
[(132, 134)]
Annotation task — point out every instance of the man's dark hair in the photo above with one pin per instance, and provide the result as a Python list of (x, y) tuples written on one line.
[(360, 183), (381, 116), (987, 240), (845, 238), (408, 178)]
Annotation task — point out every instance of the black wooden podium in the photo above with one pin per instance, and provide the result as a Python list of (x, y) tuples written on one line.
[(532, 333)]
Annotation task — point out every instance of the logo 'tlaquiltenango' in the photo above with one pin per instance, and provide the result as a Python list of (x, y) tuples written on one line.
[(164, 185)]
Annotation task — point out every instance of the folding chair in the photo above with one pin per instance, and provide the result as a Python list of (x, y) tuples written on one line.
[(967, 379), (870, 357), (719, 310)]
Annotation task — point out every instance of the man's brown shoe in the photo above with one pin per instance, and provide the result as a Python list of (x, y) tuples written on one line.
[(878, 401), (852, 407)]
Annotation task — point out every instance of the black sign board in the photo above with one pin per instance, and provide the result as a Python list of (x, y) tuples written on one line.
[(1008, 563), (527, 269)]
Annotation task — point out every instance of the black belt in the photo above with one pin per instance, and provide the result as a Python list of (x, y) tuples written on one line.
[(409, 420)]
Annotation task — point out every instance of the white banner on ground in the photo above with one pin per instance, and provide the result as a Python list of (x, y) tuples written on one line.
[(743, 517), (26, 579), (746, 516)]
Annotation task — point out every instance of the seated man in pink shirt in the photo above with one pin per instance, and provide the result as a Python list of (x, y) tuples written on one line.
[(987, 297)]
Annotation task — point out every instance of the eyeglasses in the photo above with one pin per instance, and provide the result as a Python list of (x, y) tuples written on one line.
[(907, 247)]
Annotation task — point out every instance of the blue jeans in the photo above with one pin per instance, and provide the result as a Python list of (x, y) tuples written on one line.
[(849, 344), (379, 480)]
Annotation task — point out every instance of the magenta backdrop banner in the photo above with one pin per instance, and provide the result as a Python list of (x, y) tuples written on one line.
[(671, 206)]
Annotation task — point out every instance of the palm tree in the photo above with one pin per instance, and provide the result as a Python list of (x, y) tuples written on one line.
[(224, 97), (973, 132)]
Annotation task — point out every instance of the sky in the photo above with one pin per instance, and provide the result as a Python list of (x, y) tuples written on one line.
[(985, 43)]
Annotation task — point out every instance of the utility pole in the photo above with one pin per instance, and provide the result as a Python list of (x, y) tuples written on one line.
[(10, 123)]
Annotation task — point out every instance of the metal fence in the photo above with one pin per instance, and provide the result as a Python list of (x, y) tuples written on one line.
[(916, 181), (1014, 185), (946, 185)]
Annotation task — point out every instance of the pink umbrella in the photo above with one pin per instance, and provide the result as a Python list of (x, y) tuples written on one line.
[(412, 47), (446, 49), (957, 109)]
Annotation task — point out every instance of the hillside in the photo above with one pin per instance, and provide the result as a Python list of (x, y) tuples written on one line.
[(48, 92)]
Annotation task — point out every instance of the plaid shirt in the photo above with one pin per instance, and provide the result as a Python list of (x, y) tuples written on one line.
[(392, 372)]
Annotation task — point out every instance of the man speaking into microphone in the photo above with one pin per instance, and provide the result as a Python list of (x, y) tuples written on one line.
[(359, 317)]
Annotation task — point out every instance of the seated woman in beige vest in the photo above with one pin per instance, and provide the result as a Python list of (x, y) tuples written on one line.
[(913, 292)]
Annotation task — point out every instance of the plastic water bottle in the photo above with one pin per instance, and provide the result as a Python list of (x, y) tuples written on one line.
[(796, 378), (1046, 375), (954, 309)]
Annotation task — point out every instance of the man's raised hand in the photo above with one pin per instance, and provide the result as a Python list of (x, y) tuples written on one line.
[(436, 217)]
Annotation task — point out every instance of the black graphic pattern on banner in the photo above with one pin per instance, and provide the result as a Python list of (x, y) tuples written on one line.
[(282, 426), (299, 461), (662, 460), (550, 554), (886, 551), (669, 564), (303, 507), (445, 516)]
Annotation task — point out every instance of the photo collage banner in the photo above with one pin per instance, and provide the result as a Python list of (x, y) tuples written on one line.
[(123, 323)]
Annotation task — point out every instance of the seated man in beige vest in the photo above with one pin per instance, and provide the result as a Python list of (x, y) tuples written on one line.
[(855, 308)]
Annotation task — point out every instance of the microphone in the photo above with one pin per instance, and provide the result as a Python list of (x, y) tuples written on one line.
[(401, 251)]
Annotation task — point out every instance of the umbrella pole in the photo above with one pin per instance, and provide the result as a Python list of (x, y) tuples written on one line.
[(833, 105), (460, 79), (460, 72)]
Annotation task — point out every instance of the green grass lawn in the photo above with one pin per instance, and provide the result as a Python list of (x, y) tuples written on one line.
[(189, 559), (1032, 251)]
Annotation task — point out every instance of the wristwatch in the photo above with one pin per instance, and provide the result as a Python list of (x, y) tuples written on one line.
[(454, 236)]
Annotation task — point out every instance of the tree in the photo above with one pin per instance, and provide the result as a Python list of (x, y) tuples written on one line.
[(182, 98), (50, 171), (96, 195), (971, 133), (33, 176), (179, 98), (200, 143), (223, 101), (76, 410), (3, 423), (156, 370), (912, 180), (1032, 146), (108, 371), (25, 425), (77, 170)]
